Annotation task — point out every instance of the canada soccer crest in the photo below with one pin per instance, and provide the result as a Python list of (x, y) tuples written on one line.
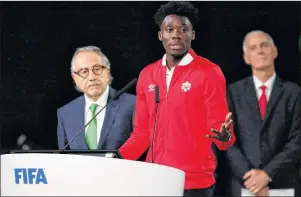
[(186, 86)]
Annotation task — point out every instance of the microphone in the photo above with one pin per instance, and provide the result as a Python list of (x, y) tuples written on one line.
[(157, 94), (157, 99), (125, 88)]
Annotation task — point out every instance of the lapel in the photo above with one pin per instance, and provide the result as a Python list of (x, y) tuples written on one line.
[(79, 123), (253, 121), (253, 113), (111, 111), (253, 107), (273, 100)]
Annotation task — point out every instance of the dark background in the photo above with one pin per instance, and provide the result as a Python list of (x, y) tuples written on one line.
[(38, 40)]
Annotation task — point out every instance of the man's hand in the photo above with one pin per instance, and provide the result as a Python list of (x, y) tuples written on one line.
[(224, 133), (256, 180), (263, 192)]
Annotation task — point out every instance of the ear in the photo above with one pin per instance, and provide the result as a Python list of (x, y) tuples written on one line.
[(246, 59), (108, 71), (108, 74), (160, 35), (73, 76), (275, 52), (192, 35)]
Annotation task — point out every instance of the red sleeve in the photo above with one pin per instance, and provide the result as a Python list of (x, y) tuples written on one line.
[(139, 140), (216, 103)]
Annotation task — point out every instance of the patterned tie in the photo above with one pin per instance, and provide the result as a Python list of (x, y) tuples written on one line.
[(263, 102), (91, 135)]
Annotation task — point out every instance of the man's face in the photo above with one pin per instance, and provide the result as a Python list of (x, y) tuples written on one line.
[(176, 34), (260, 53), (91, 83)]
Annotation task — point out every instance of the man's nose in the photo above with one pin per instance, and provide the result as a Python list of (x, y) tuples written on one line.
[(260, 51), (177, 35), (91, 75)]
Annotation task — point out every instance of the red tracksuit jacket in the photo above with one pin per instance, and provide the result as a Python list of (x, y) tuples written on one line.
[(194, 103)]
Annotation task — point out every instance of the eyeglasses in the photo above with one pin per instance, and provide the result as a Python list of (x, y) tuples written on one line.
[(84, 72)]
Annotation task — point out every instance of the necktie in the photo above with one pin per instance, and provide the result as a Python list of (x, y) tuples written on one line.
[(263, 102), (91, 135)]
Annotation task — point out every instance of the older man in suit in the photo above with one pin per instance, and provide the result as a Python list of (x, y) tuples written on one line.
[(90, 70), (266, 118)]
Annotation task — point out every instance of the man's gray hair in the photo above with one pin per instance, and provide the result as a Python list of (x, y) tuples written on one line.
[(96, 50), (270, 39)]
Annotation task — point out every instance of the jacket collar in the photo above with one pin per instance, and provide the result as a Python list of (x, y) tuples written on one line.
[(187, 59)]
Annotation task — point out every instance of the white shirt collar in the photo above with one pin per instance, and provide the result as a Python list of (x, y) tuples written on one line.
[(185, 60), (268, 84), (101, 101)]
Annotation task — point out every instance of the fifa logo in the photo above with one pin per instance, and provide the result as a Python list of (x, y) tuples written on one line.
[(30, 176)]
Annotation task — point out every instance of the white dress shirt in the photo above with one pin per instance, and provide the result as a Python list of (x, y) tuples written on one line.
[(268, 84), (101, 101), (169, 74)]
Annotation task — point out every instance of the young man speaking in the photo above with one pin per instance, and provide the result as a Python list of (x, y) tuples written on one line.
[(193, 110)]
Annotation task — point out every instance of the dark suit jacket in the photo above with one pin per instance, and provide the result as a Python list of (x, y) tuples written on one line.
[(280, 130), (117, 126)]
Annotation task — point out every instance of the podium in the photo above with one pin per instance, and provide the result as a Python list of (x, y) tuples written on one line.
[(45, 174)]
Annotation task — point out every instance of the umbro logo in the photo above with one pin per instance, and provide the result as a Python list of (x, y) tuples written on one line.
[(151, 87)]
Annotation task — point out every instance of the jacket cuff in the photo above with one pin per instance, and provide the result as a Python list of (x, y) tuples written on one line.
[(230, 135), (269, 172)]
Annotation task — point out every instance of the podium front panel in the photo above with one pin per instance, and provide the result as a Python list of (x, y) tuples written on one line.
[(74, 175)]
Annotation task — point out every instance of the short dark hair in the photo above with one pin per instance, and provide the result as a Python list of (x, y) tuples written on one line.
[(179, 8)]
